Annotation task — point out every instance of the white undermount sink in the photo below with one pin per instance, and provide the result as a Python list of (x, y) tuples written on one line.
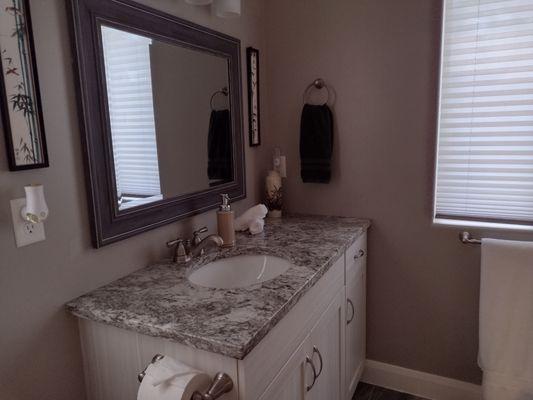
[(239, 271)]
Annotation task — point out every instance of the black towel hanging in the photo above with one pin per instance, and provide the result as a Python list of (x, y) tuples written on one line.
[(220, 146), (316, 139)]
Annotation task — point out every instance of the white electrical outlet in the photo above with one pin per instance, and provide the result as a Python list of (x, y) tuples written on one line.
[(25, 232)]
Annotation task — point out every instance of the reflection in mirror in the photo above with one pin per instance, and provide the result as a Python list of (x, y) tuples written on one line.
[(169, 116)]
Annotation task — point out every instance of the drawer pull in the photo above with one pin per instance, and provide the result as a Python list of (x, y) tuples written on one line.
[(310, 362), (353, 312), (360, 254), (315, 350)]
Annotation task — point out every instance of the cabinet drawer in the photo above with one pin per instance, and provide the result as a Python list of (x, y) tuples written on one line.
[(356, 258), (357, 251)]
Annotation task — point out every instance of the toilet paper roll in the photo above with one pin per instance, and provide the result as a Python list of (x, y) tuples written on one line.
[(180, 386)]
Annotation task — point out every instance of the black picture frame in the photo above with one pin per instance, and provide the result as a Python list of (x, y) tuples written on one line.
[(108, 223), (254, 107), (27, 93)]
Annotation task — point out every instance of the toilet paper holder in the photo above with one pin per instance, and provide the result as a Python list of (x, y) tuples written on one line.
[(222, 383)]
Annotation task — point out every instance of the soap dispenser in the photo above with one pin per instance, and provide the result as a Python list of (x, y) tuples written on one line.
[(225, 218)]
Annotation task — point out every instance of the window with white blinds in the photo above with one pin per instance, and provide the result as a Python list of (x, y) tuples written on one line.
[(484, 166), (131, 113)]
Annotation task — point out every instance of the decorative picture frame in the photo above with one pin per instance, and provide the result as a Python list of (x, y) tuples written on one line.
[(20, 100), (252, 61)]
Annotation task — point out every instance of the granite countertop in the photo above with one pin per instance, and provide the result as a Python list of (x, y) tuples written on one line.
[(160, 301)]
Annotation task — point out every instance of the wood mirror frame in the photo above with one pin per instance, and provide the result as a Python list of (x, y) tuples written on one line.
[(108, 224)]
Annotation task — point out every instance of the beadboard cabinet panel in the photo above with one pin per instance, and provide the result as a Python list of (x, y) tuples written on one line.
[(113, 358)]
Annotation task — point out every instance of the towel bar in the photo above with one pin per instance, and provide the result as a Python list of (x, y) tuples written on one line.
[(222, 383), (466, 238), (155, 359)]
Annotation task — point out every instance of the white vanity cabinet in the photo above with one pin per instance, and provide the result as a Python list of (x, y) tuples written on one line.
[(336, 341), (321, 332), (314, 370)]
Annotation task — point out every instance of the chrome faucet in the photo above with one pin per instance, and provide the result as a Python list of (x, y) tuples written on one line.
[(185, 249)]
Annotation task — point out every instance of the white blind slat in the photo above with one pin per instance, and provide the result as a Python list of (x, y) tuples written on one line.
[(131, 112), (485, 146)]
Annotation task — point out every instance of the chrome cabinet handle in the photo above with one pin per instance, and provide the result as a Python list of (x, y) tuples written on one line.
[(315, 350), (360, 254), (310, 362), (353, 312)]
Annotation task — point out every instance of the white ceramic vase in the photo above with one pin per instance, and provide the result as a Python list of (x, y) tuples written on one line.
[(274, 194)]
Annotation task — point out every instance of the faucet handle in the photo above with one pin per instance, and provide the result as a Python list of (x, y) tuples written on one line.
[(196, 235), (201, 230), (181, 256), (172, 243)]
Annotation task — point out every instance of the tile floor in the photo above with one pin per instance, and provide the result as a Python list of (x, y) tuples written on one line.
[(369, 392)]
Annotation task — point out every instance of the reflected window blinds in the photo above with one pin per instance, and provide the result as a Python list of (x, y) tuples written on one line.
[(131, 113)]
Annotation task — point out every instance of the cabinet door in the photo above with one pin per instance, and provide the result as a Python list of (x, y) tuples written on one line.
[(355, 328), (291, 382), (326, 348)]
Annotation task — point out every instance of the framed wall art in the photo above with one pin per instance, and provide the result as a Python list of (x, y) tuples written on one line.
[(252, 59), (20, 102)]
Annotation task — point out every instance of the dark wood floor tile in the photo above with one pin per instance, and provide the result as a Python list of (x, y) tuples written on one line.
[(365, 391), (386, 394)]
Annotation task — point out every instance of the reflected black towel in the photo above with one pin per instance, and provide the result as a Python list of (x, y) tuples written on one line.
[(219, 146), (316, 143)]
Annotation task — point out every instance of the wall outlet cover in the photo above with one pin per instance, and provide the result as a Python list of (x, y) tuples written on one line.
[(25, 232)]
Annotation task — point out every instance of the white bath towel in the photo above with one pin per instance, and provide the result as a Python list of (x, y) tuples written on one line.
[(254, 213), (256, 226), (506, 320)]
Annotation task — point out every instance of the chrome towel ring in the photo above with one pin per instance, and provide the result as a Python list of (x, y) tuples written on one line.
[(316, 84), (223, 91)]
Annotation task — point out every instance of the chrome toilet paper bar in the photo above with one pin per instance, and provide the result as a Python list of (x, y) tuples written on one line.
[(155, 359), (222, 383)]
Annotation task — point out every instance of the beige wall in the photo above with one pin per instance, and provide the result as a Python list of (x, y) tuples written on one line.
[(39, 346), (381, 59)]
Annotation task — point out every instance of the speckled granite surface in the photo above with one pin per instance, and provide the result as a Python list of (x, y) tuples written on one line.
[(160, 301)]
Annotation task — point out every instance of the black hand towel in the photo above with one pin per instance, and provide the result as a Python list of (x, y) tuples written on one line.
[(316, 143), (219, 146)]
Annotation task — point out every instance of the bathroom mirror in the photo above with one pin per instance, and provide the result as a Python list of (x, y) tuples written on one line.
[(160, 105)]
